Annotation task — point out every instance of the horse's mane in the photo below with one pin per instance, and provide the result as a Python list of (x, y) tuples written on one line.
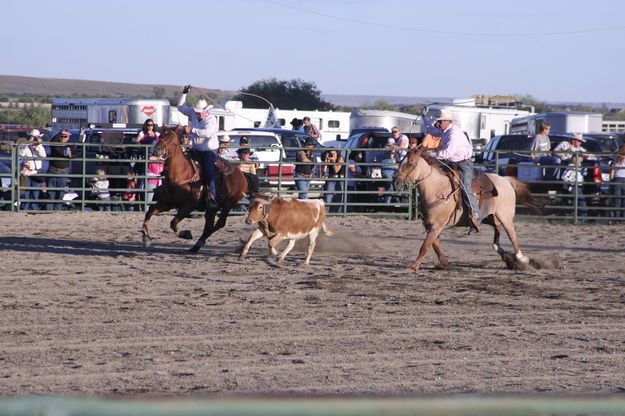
[(427, 156)]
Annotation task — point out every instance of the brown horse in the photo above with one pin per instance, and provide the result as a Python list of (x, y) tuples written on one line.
[(440, 203), (183, 189)]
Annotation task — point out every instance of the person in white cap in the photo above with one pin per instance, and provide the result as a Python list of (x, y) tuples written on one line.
[(31, 167), (204, 141), (225, 152), (456, 150)]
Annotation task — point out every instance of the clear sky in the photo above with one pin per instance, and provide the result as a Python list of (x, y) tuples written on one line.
[(554, 50)]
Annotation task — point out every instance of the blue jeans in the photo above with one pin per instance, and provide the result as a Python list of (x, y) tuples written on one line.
[(56, 182), (618, 201), (581, 201), (302, 186), (468, 197), (330, 197), (207, 160), (388, 186), (32, 194)]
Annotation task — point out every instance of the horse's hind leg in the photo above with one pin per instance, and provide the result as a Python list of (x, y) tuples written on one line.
[(509, 227)]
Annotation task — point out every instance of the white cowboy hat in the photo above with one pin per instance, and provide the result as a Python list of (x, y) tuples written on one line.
[(36, 133), (446, 115), (578, 136), (225, 138), (202, 106)]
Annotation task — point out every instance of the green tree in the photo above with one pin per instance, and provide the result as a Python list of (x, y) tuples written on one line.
[(293, 94), (159, 92), (29, 115), (539, 106)]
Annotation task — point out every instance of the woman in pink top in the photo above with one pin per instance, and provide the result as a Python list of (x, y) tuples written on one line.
[(155, 170)]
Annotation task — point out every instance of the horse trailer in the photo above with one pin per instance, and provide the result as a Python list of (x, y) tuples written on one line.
[(562, 122)]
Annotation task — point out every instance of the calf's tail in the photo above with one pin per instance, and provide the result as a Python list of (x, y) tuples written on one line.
[(325, 230)]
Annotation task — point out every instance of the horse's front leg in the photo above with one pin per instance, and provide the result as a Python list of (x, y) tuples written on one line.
[(145, 229), (436, 245), (181, 215), (209, 225), (427, 243)]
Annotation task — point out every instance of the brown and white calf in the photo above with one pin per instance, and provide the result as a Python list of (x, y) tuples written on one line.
[(285, 218)]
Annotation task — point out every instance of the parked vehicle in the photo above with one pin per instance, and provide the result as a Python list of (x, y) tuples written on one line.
[(377, 141), (272, 145), (610, 142)]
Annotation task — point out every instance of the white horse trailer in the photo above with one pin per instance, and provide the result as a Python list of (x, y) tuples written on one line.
[(333, 125), (561, 122)]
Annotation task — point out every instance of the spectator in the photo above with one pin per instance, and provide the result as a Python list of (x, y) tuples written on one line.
[(155, 170), (6, 177), (431, 143), (148, 134), (565, 149), (304, 170), (297, 124), (246, 165), (333, 171), (617, 175), (185, 141), (58, 168), (130, 195), (456, 151), (225, 152), (398, 141), (204, 141), (100, 183), (354, 170), (389, 169), (31, 168), (541, 144), (413, 142), (573, 175), (310, 129)]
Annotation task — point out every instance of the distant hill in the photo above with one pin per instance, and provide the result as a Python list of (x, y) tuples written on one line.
[(72, 88)]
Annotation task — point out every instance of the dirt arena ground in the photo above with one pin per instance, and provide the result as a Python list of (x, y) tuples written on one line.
[(87, 311)]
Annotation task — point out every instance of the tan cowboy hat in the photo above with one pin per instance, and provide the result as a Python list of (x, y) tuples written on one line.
[(446, 115), (202, 106), (578, 136)]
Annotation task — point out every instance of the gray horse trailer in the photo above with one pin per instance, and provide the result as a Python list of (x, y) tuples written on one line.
[(113, 112), (363, 119)]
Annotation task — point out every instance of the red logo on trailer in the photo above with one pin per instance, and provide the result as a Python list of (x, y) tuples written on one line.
[(148, 110)]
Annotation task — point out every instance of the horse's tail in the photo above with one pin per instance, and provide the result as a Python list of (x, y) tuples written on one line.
[(524, 196)]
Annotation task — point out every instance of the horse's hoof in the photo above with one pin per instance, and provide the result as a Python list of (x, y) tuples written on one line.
[(186, 234), (194, 249), (147, 241), (414, 268)]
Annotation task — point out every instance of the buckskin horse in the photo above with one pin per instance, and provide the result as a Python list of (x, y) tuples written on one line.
[(183, 189), (440, 202)]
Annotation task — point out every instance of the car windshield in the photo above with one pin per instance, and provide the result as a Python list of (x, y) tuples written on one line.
[(257, 141), (514, 142)]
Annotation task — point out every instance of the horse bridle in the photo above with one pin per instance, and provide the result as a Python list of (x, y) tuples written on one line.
[(411, 167)]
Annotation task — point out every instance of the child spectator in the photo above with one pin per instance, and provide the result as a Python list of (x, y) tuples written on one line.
[(101, 189), (130, 196)]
